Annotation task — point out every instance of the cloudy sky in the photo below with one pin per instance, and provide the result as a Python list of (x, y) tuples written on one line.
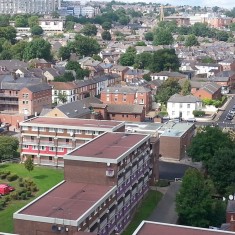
[(223, 3)]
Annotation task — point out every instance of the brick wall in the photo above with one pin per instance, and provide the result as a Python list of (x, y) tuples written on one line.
[(88, 172)]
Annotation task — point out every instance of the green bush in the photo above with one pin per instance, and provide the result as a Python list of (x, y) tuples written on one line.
[(14, 195), (163, 183), (5, 174), (2, 205), (20, 179), (21, 184), (12, 177), (28, 194), (198, 113), (23, 196)]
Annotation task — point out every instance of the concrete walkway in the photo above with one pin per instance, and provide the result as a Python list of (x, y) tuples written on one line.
[(165, 211)]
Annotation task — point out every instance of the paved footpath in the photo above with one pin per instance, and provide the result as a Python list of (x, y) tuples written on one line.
[(165, 211)]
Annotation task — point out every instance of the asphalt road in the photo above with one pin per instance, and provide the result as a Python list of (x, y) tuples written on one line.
[(170, 171)]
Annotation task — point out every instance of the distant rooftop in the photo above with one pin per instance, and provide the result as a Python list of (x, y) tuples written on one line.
[(109, 147), (72, 123)]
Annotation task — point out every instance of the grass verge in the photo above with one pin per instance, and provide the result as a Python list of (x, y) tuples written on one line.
[(44, 178), (143, 211)]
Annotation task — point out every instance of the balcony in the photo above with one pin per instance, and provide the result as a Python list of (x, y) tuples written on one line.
[(9, 102), (8, 95)]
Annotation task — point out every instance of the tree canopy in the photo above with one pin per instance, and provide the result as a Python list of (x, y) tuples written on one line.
[(89, 30), (106, 35), (84, 46), (194, 202), (163, 37), (36, 30), (8, 147), (37, 48), (191, 40), (167, 89)]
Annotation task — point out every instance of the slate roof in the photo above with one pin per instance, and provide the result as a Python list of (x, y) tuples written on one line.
[(126, 89), (7, 82), (12, 65), (211, 87), (177, 98), (74, 109), (131, 109), (39, 87)]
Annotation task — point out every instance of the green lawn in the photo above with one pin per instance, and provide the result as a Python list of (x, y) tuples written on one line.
[(144, 211), (44, 178)]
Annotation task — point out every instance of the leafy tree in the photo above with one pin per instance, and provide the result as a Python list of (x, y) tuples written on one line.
[(215, 9), (84, 46), (64, 53), (140, 43), (222, 36), (97, 57), (221, 169), (206, 143), (143, 60), (164, 59), (21, 21), (194, 202), (62, 98), (89, 30), (6, 45), (9, 33), (28, 164), (5, 55), (200, 29), (36, 30), (128, 58), (184, 30), (147, 77), (169, 25), (207, 60), (163, 37), (33, 20), (4, 20), (66, 77), (180, 38), (186, 88), (8, 147), (107, 25), (69, 25), (167, 89), (75, 66), (232, 27), (17, 50), (55, 14), (191, 40), (37, 48), (149, 36), (106, 35), (124, 20)]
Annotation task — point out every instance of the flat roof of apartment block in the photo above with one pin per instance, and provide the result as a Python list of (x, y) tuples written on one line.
[(110, 145), (153, 228), (76, 122), (68, 201)]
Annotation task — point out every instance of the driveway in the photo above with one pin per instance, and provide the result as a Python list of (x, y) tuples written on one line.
[(165, 210)]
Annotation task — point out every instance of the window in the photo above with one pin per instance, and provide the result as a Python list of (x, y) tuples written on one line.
[(107, 99), (67, 140), (32, 137), (78, 131), (50, 158), (34, 128), (25, 146), (50, 138), (113, 115), (88, 132), (115, 99), (24, 128), (55, 92), (42, 148), (41, 129), (188, 113), (173, 113), (35, 147), (51, 129), (60, 130), (124, 99), (188, 106), (60, 149), (52, 148), (181, 105)]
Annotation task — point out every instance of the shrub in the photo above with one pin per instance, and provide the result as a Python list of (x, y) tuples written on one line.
[(20, 179), (7, 198), (34, 189), (23, 196), (12, 177), (21, 184), (28, 194), (198, 113), (15, 195), (2, 205), (5, 174), (163, 183)]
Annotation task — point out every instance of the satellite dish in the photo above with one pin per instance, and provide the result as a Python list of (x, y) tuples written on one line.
[(230, 197), (54, 228)]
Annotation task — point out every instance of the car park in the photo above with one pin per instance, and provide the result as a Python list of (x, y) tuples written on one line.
[(229, 117), (232, 112)]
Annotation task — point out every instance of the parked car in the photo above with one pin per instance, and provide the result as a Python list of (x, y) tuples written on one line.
[(229, 117), (4, 190), (11, 188), (232, 112), (5, 124)]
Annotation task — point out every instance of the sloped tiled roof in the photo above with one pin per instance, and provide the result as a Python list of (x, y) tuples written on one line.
[(177, 98), (131, 109)]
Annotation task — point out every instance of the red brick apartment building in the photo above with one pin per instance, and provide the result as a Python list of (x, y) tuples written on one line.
[(104, 181), (153, 228), (127, 95), (48, 139)]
